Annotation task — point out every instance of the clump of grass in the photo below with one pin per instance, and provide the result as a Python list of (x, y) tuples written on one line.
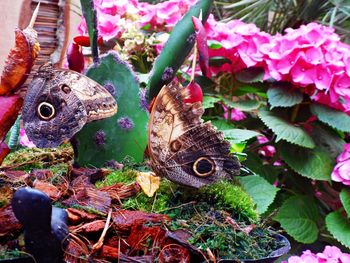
[(125, 176)]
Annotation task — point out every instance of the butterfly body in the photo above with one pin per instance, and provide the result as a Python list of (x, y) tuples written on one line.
[(182, 147), (60, 102)]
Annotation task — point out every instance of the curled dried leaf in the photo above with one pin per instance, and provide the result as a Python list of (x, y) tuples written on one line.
[(19, 61)]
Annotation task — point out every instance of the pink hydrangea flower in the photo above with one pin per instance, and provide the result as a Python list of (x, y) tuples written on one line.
[(24, 140), (331, 254), (341, 172)]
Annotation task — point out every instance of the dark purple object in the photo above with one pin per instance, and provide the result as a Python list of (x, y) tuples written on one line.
[(45, 227)]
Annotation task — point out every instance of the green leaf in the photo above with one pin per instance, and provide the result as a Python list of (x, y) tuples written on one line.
[(334, 118), (222, 124), (281, 97), (345, 200), (213, 44), (298, 216), (243, 105), (218, 61), (339, 227), (255, 164), (239, 135), (327, 139), (250, 75), (209, 101), (312, 163), (89, 13), (262, 192), (286, 131)]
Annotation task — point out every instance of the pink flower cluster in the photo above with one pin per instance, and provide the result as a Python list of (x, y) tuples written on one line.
[(341, 172), (330, 254), (312, 57), (113, 16)]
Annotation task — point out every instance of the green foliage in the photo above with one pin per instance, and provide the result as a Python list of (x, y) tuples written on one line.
[(233, 197), (298, 216), (345, 200), (239, 135), (279, 96), (13, 141), (339, 227), (209, 101), (336, 119), (312, 163), (124, 134), (262, 192), (243, 105), (177, 48), (250, 75), (285, 130)]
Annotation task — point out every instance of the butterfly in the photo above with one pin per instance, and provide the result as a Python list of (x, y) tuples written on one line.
[(181, 146), (60, 102)]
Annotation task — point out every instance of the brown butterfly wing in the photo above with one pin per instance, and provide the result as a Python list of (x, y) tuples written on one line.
[(58, 103), (182, 147)]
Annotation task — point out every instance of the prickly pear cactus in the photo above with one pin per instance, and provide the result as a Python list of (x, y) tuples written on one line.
[(124, 134)]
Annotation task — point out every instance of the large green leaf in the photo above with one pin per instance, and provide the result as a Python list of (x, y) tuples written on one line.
[(334, 118), (209, 101), (262, 192), (339, 227), (282, 97), (256, 164), (250, 75), (345, 200), (285, 130), (327, 139), (312, 163), (298, 216), (243, 105), (239, 135)]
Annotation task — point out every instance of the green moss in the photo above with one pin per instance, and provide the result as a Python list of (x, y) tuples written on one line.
[(234, 197), (125, 176), (160, 202), (12, 254)]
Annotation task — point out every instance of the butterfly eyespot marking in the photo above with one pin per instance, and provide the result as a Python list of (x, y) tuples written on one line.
[(66, 89), (175, 146), (203, 167), (46, 111)]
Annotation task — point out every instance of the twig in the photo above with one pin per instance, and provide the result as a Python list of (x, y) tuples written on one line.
[(99, 243), (34, 16)]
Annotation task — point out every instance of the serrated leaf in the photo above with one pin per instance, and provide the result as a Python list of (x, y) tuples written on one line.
[(243, 105), (262, 192), (334, 118), (209, 101), (250, 75), (327, 139), (339, 227), (239, 135), (298, 216), (246, 89), (312, 163), (285, 130), (281, 97), (345, 200)]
